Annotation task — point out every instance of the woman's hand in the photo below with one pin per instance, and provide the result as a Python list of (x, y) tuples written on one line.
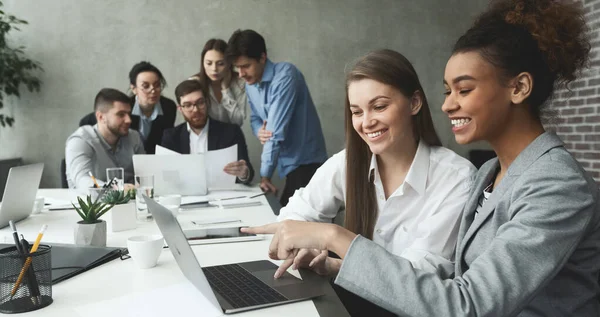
[(316, 260), (291, 236)]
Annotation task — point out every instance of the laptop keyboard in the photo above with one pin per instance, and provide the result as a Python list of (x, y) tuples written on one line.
[(239, 287)]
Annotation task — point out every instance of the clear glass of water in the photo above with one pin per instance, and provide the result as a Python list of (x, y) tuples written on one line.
[(118, 173), (144, 185)]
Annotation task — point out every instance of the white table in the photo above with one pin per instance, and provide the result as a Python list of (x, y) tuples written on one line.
[(118, 280)]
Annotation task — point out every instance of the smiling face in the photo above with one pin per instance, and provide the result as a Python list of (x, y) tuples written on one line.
[(382, 115), (117, 119), (477, 102)]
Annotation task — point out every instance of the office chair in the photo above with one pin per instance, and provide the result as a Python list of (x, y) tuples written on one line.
[(63, 174)]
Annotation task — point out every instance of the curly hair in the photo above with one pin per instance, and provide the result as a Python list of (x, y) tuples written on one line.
[(546, 38)]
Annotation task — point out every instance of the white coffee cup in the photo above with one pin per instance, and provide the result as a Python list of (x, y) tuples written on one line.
[(145, 250), (170, 200), (38, 205)]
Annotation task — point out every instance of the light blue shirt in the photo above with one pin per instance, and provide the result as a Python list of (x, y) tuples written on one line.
[(146, 122), (282, 99)]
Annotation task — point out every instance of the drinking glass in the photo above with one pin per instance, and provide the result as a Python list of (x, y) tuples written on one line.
[(144, 185)]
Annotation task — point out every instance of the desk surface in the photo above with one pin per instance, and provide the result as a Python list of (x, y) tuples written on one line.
[(117, 283)]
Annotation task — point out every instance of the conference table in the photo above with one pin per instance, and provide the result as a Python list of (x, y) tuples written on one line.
[(120, 288)]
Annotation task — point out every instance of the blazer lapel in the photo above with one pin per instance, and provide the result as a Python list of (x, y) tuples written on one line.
[(184, 140), (213, 135), (484, 177)]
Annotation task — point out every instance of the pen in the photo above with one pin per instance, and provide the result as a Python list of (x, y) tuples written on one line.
[(93, 179), (254, 196), (16, 237), (36, 245), (229, 198)]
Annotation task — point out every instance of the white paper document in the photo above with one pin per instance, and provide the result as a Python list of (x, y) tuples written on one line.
[(161, 150), (215, 161)]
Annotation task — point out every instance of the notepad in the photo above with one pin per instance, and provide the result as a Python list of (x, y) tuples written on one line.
[(235, 203), (69, 260)]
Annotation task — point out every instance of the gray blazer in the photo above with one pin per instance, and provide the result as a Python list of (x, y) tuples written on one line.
[(533, 250)]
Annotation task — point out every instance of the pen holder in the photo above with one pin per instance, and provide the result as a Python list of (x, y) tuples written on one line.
[(35, 289)]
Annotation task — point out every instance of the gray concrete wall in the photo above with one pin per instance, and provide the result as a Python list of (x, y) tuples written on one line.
[(85, 45)]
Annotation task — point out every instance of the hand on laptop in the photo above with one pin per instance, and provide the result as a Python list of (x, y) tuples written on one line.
[(238, 169), (290, 236), (316, 260)]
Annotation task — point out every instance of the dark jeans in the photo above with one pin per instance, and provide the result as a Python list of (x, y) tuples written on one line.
[(297, 178)]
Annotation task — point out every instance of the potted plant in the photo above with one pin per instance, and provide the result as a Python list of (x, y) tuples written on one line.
[(91, 230), (123, 214), (16, 70)]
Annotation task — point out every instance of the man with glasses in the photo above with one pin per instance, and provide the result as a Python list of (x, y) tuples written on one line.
[(200, 134), (152, 113)]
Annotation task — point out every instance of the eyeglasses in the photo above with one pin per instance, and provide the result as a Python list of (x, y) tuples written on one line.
[(147, 88), (200, 104)]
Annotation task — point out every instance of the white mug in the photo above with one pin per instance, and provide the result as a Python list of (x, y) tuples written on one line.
[(174, 200), (145, 250)]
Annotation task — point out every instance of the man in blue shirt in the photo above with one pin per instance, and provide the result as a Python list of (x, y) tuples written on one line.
[(284, 117)]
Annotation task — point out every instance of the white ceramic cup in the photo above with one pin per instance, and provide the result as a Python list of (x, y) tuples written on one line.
[(38, 205), (170, 200), (145, 250)]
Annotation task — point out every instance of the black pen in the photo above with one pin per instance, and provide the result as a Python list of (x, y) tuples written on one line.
[(32, 283), (22, 252), (254, 196)]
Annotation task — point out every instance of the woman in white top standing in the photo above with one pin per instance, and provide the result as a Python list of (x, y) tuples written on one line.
[(227, 91), (398, 186)]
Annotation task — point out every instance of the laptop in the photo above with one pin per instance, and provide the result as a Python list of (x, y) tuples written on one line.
[(174, 174), (19, 194), (233, 287)]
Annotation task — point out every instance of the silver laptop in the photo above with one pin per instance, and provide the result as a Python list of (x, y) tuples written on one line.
[(174, 174), (19, 194), (233, 287)]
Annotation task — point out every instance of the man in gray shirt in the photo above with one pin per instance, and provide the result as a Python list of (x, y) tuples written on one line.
[(109, 143)]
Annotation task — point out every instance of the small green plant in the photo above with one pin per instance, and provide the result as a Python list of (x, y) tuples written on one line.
[(16, 70), (116, 197), (90, 211)]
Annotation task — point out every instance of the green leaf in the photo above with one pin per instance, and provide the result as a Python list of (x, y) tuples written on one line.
[(79, 212), (101, 213)]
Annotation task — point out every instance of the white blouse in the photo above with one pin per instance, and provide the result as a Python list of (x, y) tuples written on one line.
[(419, 221), (234, 103)]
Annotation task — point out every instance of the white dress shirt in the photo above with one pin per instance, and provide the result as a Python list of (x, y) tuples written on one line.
[(419, 221), (199, 142)]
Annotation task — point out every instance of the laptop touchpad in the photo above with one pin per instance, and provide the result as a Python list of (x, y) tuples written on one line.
[(267, 277)]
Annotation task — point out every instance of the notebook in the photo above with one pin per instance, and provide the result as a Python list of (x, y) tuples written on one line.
[(69, 260)]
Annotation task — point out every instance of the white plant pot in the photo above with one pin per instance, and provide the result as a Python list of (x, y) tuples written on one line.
[(91, 234), (121, 217)]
